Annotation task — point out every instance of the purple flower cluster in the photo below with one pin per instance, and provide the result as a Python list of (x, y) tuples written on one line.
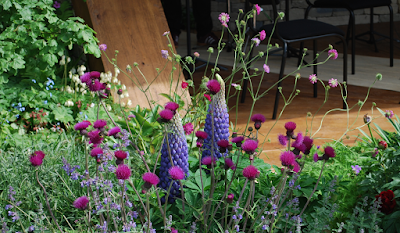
[(174, 148), (70, 170), (217, 123)]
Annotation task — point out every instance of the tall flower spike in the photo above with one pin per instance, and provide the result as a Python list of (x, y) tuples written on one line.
[(177, 146), (218, 128)]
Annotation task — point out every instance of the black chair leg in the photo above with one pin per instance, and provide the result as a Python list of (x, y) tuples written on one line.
[(353, 42), (277, 96), (315, 67), (391, 35)]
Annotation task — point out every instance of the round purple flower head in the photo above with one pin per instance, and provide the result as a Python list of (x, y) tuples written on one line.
[(296, 167), (36, 160), (114, 131), (166, 115), (103, 47), (188, 128), (287, 158), (95, 137), (251, 172), (172, 106), (150, 178), (258, 119), (238, 140), (201, 136), (99, 124), (81, 202), (389, 114), (290, 127), (39, 153), (229, 164), (308, 143), (82, 125), (207, 160), (329, 153), (96, 151), (223, 145), (213, 86), (282, 139), (120, 155), (95, 85), (316, 157), (176, 173), (250, 146), (123, 172)]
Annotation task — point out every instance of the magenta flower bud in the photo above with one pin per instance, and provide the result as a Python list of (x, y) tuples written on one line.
[(258, 119), (251, 172), (81, 202), (229, 198)]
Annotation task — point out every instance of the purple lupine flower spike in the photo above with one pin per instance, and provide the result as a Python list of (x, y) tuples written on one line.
[(179, 154), (221, 122)]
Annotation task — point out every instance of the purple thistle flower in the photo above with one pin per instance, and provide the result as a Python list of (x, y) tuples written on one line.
[(103, 47), (178, 147), (218, 128), (282, 139), (81, 202), (56, 5)]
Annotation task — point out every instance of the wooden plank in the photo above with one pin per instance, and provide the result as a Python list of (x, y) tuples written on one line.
[(135, 28)]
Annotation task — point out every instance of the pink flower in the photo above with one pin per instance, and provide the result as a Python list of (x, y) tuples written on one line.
[(196, 54), (333, 82), (229, 164), (56, 5), (224, 18), (188, 128), (282, 139), (290, 126), (207, 97), (389, 114), (225, 25), (263, 35), (172, 106), (207, 160), (114, 131), (251, 172), (166, 33), (258, 9), (329, 151), (164, 53), (95, 137), (223, 143), (166, 114), (39, 153), (123, 172), (201, 134), (316, 157), (333, 54), (256, 41), (213, 86), (36, 160), (296, 167), (287, 158), (229, 198), (238, 139), (184, 85), (313, 78), (96, 151), (120, 154), (103, 47), (258, 118), (250, 146), (81, 202), (176, 173), (95, 86), (99, 124), (266, 68), (82, 125), (173, 230), (150, 178)]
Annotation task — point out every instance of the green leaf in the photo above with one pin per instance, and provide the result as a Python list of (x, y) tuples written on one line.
[(206, 180), (190, 185), (50, 58), (6, 4), (63, 114)]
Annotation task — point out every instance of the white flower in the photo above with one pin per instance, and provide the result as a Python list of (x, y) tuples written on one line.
[(77, 89), (119, 82), (114, 80), (123, 104), (70, 75), (126, 94), (83, 92), (129, 103), (68, 59), (62, 61), (122, 95), (123, 87), (92, 105), (81, 70), (108, 107), (109, 86), (73, 70), (116, 71), (83, 84)]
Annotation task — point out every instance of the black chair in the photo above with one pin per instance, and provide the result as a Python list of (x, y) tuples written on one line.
[(351, 6), (297, 31)]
